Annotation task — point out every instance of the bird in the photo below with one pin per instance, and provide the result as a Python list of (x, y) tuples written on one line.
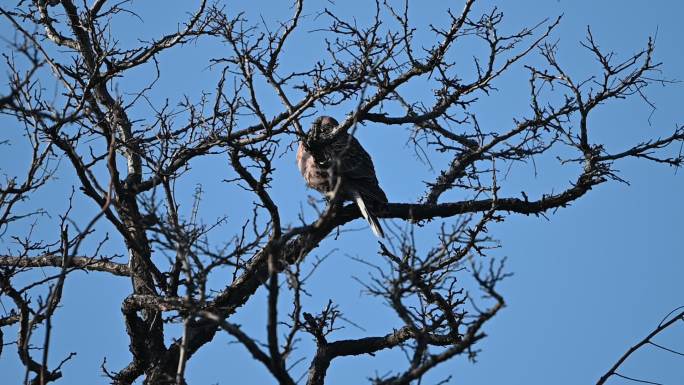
[(336, 165)]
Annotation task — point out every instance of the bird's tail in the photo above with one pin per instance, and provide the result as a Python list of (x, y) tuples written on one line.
[(370, 218)]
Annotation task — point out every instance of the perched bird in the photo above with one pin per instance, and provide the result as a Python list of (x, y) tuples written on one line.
[(330, 161)]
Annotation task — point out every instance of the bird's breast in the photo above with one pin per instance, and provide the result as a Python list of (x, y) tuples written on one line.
[(315, 176)]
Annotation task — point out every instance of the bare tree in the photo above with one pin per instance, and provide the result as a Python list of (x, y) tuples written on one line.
[(129, 152)]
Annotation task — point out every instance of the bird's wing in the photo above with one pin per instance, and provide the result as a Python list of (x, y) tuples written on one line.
[(356, 167)]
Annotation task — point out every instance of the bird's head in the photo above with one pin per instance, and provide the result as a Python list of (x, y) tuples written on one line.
[(322, 129)]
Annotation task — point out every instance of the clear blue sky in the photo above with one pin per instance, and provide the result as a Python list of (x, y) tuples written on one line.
[(589, 282)]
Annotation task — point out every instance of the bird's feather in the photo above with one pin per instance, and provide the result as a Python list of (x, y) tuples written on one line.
[(370, 218)]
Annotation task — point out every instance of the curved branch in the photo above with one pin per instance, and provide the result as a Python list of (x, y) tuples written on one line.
[(613, 370)]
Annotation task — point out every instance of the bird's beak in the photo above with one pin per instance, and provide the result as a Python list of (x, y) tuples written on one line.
[(315, 132), (311, 136)]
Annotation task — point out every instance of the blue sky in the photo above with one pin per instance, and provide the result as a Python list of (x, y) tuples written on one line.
[(588, 283)]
